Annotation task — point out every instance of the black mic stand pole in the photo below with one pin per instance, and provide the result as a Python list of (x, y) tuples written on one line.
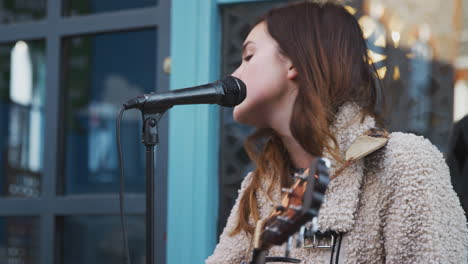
[(150, 140)]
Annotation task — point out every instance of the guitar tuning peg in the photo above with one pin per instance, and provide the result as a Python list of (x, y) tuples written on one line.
[(288, 247), (273, 230), (309, 232), (296, 208), (302, 177), (314, 227), (285, 219), (281, 208), (300, 237), (326, 162)]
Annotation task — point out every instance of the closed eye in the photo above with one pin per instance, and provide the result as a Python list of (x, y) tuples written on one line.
[(248, 57)]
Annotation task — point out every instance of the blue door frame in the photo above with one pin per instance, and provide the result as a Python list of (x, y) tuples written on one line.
[(193, 132)]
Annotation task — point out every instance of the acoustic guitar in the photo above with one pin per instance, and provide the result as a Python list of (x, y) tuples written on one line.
[(300, 204)]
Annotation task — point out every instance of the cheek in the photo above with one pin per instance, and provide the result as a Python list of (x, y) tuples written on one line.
[(264, 88), (255, 110), (262, 81)]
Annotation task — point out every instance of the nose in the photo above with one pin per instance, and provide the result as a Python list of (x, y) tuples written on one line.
[(236, 73)]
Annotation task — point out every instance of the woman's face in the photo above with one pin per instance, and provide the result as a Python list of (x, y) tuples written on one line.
[(267, 75)]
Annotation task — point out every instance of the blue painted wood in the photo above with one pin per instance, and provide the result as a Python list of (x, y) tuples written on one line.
[(193, 134), (223, 2)]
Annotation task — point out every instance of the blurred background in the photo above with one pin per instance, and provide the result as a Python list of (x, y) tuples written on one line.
[(66, 66)]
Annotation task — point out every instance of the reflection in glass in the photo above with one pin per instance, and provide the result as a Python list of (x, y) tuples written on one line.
[(419, 107), (416, 74), (460, 107), (85, 7), (98, 239), (102, 72), (19, 240), (22, 90), (14, 11)]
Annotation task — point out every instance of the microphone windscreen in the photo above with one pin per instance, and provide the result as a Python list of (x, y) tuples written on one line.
[(234, 91)]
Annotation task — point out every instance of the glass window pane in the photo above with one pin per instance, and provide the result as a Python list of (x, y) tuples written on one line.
[(14, 11), (102, 72), (85, 7), (19, 240), (22, 90), (98, 239)]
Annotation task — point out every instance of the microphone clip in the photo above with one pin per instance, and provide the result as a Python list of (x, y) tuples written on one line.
[(150, 136)]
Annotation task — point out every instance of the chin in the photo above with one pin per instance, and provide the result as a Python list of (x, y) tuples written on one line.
[(238, 115), (245, 117)]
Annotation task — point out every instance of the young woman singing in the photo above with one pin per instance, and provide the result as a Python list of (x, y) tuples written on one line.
[(311, 91)]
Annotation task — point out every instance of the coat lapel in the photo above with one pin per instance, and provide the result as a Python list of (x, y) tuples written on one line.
[(342, 197)]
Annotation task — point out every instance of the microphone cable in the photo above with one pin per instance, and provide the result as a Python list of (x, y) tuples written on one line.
[(121, 191)]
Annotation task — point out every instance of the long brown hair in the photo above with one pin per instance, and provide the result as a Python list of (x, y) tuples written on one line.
[(326, 45)]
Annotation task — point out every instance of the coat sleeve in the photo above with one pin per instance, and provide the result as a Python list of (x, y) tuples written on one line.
[(231, 249), (424, 221)]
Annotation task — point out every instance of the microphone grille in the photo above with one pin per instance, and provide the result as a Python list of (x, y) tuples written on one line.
[(234, 91)]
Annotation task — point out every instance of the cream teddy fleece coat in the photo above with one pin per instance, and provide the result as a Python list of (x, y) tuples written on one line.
[(395, 206)]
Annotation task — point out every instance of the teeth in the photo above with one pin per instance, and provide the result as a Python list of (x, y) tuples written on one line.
[(287, 190)]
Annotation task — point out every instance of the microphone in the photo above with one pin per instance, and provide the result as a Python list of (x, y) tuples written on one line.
[(229, 91)]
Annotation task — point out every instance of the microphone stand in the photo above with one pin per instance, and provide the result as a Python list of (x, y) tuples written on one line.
[(150, 140)]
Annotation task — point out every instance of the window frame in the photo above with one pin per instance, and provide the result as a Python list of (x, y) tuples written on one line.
[(50, 205)]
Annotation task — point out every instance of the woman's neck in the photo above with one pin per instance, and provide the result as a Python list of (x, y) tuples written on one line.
[(299, 157), (280, 123)]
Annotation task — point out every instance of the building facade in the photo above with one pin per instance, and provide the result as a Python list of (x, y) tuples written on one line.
[(66, 66)]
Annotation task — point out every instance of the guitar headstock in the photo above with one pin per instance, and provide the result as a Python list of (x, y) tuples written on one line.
[(299, 205)]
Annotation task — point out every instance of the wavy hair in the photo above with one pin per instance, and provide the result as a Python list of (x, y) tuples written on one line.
[(326, 45)]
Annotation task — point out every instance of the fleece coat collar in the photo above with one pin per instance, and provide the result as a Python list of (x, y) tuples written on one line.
[(338, 211)]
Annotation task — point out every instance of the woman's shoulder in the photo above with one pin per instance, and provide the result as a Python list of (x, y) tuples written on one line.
[(415, 174), (246, 181), (421, 211), (410, 149), (408, 156), (403, 144)]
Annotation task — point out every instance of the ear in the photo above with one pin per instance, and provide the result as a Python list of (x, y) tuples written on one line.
[(292, 73)]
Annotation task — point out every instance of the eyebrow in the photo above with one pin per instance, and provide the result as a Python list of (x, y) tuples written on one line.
[(245, 46)]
